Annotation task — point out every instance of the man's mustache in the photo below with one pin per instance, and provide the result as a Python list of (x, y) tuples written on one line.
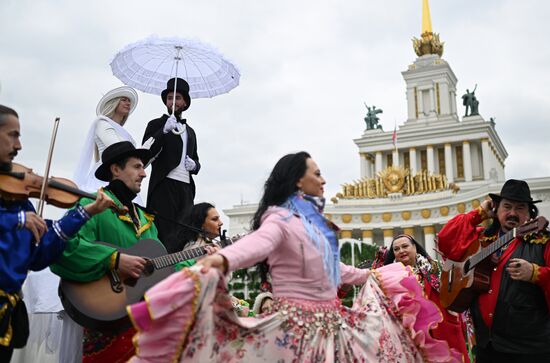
[(512, 219), (13, 153)]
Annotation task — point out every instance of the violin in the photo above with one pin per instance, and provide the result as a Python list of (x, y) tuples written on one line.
[(21, 183)]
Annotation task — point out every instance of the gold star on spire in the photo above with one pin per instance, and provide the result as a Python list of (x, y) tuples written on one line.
[(429, 42)]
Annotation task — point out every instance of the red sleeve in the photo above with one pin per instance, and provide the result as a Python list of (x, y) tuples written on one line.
[(541, 275), (459, 233)]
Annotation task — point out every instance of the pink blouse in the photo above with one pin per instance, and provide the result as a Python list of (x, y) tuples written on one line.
[(295, 265)]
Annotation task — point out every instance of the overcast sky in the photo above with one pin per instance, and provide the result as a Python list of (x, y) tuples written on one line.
[(306, 67)]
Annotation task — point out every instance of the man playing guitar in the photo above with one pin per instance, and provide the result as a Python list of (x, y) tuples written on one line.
[(84, 260), (512, 319)]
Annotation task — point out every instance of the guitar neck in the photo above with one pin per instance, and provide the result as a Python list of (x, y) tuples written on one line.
[(177, 257), (492, 248)]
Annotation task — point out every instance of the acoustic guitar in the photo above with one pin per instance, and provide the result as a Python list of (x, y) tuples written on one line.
[(462, 281), (101, 304)]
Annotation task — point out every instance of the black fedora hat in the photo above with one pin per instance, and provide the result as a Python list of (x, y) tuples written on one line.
[(182, 87), (515, 190), (117, 152)]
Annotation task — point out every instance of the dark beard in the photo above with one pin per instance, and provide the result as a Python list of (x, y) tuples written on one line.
[(5, 167), (178, 112)]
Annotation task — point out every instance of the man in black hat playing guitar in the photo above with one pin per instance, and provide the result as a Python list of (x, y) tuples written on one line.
[(174, 147), (512, 318), (84, 260)]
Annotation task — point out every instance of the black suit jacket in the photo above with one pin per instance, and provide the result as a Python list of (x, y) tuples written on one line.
[(170, 147)]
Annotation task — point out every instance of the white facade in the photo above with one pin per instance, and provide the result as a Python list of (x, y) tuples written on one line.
[(433, 138)]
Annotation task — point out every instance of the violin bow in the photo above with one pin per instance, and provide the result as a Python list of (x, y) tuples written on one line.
[(42, 201)]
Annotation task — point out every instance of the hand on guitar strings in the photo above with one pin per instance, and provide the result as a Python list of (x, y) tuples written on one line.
[(520, 269), (130, 266)]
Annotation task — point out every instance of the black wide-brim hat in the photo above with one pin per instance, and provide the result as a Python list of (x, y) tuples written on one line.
[(182, 87), (514, 190), (116, 152)]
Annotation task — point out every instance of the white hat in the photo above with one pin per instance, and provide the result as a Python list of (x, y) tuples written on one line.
[(123, 91), (260, 299)]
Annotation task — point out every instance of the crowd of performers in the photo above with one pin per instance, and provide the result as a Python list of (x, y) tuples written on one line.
[(397, 315)]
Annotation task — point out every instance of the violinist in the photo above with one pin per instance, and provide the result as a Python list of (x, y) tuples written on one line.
[(27, 242), (84, 260)]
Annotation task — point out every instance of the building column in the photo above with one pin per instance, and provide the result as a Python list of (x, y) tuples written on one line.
[(345, 233), (429, 240), (378, 162), (432, 101), (409, 231), (430, 157), (388, 237), (412, 162), (395, 157), (449, 163), (467, 156), (367, 236), (486, 156), (420, 103), (363, 165)]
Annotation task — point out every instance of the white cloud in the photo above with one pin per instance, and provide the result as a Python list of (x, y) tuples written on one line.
[(307, 66)]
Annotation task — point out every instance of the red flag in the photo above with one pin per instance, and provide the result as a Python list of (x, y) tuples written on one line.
[(394, 137)]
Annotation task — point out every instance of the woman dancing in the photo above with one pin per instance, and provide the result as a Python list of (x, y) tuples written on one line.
[(188, 316)]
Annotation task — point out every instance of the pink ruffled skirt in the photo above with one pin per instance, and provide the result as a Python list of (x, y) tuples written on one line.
[(188, 317)]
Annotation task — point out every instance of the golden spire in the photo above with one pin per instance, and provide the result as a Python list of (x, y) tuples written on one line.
[(429, 42), (426, 19)]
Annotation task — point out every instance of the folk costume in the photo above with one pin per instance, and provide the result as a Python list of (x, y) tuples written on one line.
[(428, 273), (512, 320), (171, 187), (188, 317), (18, 255), (84, 260)]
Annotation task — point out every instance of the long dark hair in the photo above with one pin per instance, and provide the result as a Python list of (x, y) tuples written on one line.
[(390, 255), (281, 183), (494, 227), (194, 218)]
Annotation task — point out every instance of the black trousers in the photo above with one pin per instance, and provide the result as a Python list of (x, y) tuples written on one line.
[(490, 355), (171, 200)]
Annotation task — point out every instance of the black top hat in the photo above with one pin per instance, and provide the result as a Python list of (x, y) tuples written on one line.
[(515, 190), (117, 152), (182, 87)]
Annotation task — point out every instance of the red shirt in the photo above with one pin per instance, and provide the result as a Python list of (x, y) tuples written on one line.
[(463, 230)]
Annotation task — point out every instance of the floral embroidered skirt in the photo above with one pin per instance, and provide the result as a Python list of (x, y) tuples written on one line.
[(188, 317)]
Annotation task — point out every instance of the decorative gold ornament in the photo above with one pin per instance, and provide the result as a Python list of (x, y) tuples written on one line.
[(475, 203), (388, 232), (345, 234), (406, 215), (393, 178), (429, 229), (409, 231), (346, 218), (366, 218), (328, 216), (426, 213), (386, 217), (444, 211), (461, 207), (367, 233)]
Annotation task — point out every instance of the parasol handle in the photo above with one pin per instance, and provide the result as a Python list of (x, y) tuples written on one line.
[(176, 131)]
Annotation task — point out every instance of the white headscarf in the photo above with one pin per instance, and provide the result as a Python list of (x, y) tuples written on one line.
[(84, 175)]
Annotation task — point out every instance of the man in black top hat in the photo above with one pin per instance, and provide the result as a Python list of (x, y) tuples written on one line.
[(512, 319), (174, 146)]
